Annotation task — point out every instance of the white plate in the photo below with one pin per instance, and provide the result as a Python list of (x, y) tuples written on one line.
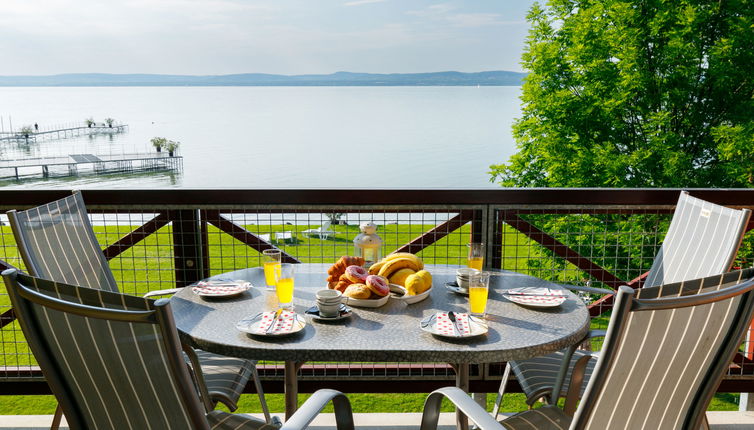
[(540, 297), (345, 312), (220, 288), (477, 327), (453, 286), (251, 325), (365, 303), (399, 293)]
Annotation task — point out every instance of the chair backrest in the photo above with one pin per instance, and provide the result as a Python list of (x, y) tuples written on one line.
[(702, 240), (112, 360), (57, 242), (666, 350), (325, 226)]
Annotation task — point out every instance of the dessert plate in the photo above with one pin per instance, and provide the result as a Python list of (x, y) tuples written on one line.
[(266, 324), (345, 312), (220, 288), (536, 297), (440, 324)]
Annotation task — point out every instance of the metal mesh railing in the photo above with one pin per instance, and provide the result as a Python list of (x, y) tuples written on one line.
[(153, 247)]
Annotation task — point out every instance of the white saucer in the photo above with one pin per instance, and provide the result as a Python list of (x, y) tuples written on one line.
[(345, 312), (453, 286)]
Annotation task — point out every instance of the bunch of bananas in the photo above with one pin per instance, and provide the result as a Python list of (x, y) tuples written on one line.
[(404, 269)]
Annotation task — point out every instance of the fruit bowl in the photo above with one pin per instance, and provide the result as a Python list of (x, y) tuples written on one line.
[(365, 303), (399, 293)]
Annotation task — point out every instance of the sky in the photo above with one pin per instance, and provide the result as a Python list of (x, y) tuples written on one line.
[(214, 37)]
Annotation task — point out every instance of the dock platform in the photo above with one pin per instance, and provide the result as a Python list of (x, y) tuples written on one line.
[(71, 164), (62, 133)]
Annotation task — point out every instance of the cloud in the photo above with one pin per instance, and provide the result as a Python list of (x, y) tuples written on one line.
[(445, 14), (362, 2)]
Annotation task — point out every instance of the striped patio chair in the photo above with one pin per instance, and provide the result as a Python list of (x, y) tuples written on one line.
[(57, 242), (114, 361), (665, 352), (702, 240)]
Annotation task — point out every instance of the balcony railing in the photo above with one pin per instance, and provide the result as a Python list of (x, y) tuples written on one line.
[(158, 239)]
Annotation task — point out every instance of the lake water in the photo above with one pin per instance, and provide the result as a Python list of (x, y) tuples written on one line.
[(278, 137)]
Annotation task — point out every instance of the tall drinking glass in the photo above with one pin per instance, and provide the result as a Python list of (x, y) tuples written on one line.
[(271, 264), (284, 285), (479, 287), (476, 256)]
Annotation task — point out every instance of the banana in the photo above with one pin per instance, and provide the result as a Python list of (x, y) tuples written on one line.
[(395, 255), (394, 265), (375, 268), (408, 255)]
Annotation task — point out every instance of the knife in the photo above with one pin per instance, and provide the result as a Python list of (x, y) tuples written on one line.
[(274, 320), (507, 293), (452, 318)]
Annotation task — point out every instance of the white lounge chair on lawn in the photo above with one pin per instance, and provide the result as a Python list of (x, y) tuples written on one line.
[(323, 232)]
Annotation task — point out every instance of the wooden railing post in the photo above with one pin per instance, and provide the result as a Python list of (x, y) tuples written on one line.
[(189, 250)]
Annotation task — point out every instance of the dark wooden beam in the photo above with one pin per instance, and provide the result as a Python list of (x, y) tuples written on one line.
[(245, 236), (560, 249), (437, 233), (136, 236)]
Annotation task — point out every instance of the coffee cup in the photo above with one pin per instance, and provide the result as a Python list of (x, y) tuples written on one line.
[(463, 276), (328, 303)]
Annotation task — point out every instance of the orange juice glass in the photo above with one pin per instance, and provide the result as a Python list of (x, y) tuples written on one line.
[(271, 265), (479, 287), (284, 285), (476, 256)]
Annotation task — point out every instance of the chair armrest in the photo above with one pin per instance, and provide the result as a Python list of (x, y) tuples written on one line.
[(574, 387), (162, 292), (195, 369), (314, 405), (594, 333), (591, 290), (462, 402)]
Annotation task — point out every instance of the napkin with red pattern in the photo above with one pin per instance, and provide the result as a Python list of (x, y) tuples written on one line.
[(283, 324), (444, 326)]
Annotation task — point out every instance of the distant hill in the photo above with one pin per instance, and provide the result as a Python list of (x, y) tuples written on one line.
[(260, 79)]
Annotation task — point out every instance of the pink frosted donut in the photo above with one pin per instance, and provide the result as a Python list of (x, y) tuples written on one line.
[(356, 274), (378, 285)]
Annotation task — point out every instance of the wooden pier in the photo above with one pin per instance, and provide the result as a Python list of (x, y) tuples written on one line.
[(71, 164), (62, 133)]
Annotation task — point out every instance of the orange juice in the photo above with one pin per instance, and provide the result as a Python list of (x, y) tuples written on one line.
[(476, 262), (478, 300), (284, 290), (270, 268)]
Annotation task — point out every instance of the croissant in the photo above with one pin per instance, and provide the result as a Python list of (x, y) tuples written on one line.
[(342, 285), (339, 268)]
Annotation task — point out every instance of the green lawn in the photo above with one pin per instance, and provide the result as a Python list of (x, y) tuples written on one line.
[(154, 259)]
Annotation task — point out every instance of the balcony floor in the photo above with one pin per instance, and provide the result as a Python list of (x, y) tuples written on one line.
[(718, 421)]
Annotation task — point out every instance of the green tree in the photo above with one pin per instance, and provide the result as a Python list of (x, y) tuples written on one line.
[(641, 93)]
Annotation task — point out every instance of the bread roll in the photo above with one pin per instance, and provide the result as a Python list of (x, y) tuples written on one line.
[(358, 291)]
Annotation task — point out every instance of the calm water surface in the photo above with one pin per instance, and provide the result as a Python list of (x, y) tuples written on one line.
[(279, 137)]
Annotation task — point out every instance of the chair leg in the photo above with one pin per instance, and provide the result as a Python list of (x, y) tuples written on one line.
[(56, 418), (501, 391), (260, 393)]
